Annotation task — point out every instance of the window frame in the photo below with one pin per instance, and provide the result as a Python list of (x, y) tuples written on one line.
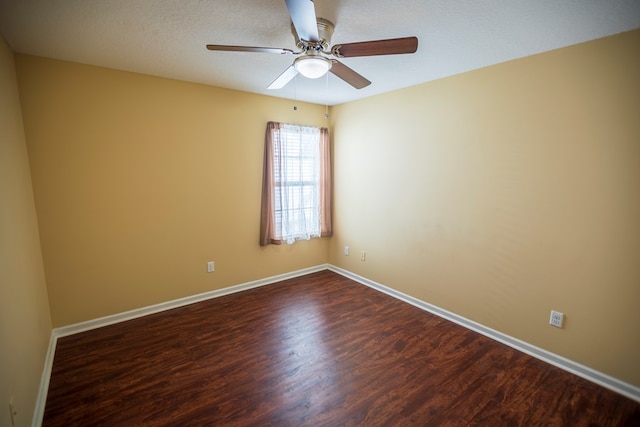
[(278, 138)]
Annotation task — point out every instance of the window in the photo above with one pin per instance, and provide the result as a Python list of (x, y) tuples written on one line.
[(296, 198)]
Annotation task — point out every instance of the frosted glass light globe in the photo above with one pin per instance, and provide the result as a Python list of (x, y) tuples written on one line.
[(312, 67)]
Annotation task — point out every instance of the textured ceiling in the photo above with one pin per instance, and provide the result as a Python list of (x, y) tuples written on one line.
[(167, 37)]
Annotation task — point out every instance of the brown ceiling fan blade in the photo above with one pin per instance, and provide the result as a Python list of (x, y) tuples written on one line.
[(303, 16), (348, 75), (249, 49), (284, 78), (376, 47)]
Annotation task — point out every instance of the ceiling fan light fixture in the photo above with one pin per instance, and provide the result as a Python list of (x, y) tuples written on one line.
[(312, 67)]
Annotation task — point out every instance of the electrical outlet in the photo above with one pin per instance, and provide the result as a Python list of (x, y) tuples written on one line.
[(210, 267), (363, 256), (556, 319), (346, 250), (12, 411)]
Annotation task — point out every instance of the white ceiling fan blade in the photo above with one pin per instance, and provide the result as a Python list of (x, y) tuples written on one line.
[(228, 48), (303, 16), (284, 78)]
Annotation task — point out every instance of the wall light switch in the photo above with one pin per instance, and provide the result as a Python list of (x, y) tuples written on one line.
[(210, 267)]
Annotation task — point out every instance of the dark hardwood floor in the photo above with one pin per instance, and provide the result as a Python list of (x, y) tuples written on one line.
[(319, 350)]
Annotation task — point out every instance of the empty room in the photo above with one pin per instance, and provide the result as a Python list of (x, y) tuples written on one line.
[(319, 213)]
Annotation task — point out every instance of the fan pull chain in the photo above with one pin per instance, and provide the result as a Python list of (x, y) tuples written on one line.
[(326, 104), (295, 92)]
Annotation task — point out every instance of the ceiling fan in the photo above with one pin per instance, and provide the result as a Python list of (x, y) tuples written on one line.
[(313, 36)]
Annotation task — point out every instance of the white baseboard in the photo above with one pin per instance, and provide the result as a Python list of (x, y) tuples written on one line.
[(626, 389), (41, 400), (156, 308), (140, 312)]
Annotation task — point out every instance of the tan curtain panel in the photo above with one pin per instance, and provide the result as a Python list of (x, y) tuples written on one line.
[(267, 217), (326, 228)]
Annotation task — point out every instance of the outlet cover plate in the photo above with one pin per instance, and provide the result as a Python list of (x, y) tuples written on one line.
[(556, 319)]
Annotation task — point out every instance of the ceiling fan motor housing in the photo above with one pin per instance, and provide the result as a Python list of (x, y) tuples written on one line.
[(325, 32)]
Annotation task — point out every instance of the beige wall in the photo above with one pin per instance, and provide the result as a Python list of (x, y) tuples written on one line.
[(499, 194), (139, 181), (25, 325), (506, 192)]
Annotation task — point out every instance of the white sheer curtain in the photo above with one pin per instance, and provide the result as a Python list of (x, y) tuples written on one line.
[(296, 184), (296, 176)]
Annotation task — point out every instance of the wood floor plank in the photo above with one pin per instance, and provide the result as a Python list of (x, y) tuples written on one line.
[(320, 350)]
